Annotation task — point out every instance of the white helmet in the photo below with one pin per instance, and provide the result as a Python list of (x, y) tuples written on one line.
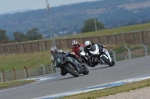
[(54, 49), (88, 44), (74, 42)]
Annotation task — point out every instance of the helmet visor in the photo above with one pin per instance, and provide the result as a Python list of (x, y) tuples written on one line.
[(88, 47), (53, 52)]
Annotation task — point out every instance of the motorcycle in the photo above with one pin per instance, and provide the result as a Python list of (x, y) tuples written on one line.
[(99, 55), (70, 65)]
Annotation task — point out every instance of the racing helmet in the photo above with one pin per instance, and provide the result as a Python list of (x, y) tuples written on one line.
[(54, 50), (88, 44), (74, 43)]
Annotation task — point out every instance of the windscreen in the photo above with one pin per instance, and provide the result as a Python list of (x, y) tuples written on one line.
[(58, 59), (93, 48)]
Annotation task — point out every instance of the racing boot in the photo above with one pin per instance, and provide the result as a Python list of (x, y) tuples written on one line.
[(63, 73)]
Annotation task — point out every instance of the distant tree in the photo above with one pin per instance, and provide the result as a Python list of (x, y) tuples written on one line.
[(89, 25), (19, 37), (33, 34), (3, 36)]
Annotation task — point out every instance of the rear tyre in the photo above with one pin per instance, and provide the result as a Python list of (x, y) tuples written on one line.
[(70, 69), (106, 61)]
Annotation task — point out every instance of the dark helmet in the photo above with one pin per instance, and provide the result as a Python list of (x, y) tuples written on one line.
[(54, 49)]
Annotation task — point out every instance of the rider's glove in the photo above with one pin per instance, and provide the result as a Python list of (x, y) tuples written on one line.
[(60, 50), (67, 53), (103, 46)]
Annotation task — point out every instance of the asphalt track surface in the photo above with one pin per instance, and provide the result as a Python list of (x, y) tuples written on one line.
[(100, 74)]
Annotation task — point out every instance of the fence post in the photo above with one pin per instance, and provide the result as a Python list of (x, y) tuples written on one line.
[(15, 77), (26, 72), (3, 75), (57, 70), (145, 48), (52, 68), (9, 49), (129, 52), (43, 68), (114, 55)]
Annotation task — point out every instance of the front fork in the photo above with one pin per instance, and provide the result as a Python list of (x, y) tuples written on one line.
[(107, 53)]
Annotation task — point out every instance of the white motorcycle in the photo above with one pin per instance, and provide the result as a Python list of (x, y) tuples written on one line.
[(99, 54)]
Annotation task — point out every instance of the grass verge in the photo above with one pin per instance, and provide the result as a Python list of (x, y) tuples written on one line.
[(18, 61), (6, 85), (111, 31), (111, 91)]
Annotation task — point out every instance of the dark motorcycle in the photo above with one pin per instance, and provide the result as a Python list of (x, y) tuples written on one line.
[(70, 65)]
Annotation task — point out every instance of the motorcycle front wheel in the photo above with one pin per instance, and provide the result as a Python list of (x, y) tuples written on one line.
[(86, 70), (106, 61), (113, 63)]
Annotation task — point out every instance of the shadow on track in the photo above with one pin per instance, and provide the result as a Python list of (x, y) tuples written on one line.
[(100, 68), (70, 77)]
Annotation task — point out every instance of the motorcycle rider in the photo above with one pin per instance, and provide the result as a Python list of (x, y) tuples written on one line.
[(87, 49), (89, 44), (75, 47), (54, 51)]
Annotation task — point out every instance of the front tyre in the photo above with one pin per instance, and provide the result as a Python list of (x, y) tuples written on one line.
[(86, 70), (70, 69), (113, 63), (106, 61)]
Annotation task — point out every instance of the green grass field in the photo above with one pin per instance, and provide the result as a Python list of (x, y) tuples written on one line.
[(18, 61), (6, 85), (118, 30)]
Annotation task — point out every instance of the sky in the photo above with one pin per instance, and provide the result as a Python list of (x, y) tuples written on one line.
[(17, 5)]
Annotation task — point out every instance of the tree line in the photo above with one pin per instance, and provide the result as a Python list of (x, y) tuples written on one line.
[(89, 25), (32, 34)]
